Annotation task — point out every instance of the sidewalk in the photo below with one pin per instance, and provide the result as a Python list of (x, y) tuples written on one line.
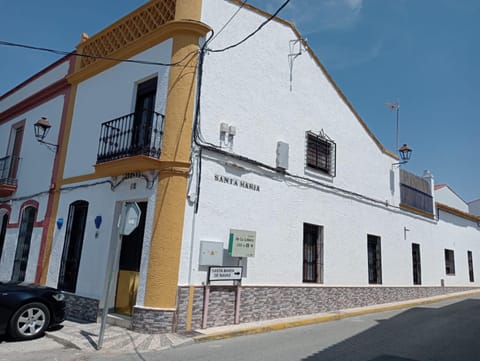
[(84, 336)]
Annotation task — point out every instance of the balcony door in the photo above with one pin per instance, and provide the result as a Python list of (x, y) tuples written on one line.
[(23, 244), (10, 164), (143, 118)]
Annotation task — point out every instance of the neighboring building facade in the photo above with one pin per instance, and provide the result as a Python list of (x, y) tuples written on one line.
[(28, 168), (474, 207), (207, 143)]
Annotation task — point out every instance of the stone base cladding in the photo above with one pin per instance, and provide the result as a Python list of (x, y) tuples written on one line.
[(151, 320), (266, 303), (81, 308)]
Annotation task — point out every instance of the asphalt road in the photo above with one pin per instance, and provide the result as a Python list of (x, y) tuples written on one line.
[(445, 331)]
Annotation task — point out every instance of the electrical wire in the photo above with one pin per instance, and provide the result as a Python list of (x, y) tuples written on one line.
[(254, 32), (73, 53), (203, 145), (229, 20)]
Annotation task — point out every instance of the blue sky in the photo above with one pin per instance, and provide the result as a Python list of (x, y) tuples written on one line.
[(423, 53)]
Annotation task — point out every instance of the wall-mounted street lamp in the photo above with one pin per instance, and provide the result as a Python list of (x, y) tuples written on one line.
[(405, 153), (41, 128)]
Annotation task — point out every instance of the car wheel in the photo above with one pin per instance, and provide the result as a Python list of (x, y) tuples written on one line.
[(29, 321)]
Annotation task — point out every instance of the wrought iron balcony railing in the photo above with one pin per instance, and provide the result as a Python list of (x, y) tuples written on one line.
[(139, 133), (6, 165)]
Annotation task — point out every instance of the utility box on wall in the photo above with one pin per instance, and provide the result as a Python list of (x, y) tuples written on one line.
[(282, 155), (211, 253)]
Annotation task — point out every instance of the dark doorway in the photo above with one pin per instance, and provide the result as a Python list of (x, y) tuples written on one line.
[(374, 260), (23, 244), (143, 119), (72, 247), (416, 262), (129, 266)]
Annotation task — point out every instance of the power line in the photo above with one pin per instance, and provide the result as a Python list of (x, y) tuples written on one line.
[(253, 33), (73, 53), (229, 20)]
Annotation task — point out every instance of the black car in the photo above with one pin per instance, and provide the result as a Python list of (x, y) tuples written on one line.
[(27, 310)]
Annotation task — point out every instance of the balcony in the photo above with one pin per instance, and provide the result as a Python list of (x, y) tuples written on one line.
[(130, 143), (415, 194), (8, 182)]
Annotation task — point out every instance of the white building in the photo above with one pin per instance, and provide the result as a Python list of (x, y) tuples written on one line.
[(28, 168), (474, 207), (209, 140)]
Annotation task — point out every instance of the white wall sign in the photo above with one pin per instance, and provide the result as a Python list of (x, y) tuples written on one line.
[(225, 273), (241, 243)]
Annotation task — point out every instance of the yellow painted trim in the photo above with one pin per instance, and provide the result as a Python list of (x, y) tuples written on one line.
[(165, 248), (79, 179), (457, 212), (325, 72), (417, 211), (129, 167), (188, 9), (163, 33), (56, 195), (129, 17), (138, 163), (191, 293)]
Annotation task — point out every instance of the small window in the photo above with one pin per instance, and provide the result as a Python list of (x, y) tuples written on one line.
[(321, 153), (312, 253), (374, 260), (416, 262), (470, 266), (449, 262)]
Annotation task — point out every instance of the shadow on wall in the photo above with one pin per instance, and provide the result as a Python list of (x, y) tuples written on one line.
[(418, 334)]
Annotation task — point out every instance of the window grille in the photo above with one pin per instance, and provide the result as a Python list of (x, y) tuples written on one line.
[(321, 153)]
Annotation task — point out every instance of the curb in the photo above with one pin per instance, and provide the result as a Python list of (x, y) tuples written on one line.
[(333, 316)]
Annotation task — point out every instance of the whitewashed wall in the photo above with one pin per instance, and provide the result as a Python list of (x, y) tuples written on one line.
[(474, 207), (460, 235), (277, 213), (36, 163), (447, 196), (105, 202), (11, 238), (31, 87), (107, 96), (34, 176), (248, 87)]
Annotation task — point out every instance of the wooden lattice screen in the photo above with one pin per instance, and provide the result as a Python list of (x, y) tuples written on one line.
[(127, 30)]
